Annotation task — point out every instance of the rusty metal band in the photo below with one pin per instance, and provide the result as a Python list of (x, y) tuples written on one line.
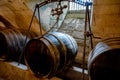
[(63, 47), (53, 56), (56, 53)]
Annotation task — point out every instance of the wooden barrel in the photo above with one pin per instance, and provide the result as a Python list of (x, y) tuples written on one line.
[(11, 43), (50, 54), (103, 61)]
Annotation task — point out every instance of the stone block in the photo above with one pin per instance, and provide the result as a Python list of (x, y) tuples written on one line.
[(106, 9), (106, 2), (78, 34)]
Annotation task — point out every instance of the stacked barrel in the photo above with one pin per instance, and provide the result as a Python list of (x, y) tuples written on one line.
[(12, 42)]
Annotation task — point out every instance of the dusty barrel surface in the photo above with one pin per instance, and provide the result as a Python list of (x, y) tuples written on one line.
[(12, 43), (104, 60), (50, 54)]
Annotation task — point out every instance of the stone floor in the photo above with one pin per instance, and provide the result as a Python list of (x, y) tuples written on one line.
[(11, 71)]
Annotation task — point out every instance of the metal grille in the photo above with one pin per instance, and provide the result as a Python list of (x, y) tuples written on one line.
[(78, 4)]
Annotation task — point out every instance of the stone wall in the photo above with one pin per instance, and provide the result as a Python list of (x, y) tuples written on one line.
[(16, 14), (106, 18)]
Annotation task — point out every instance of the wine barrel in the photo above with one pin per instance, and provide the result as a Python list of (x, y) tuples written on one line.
[(50, 54), (12, 42), (104, 60)]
